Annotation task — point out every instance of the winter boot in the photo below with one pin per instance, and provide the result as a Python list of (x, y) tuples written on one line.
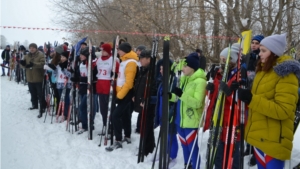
[(3, 74), (252, 161), (33, 107), (297, 166), (126, 139), (81, 131), (116, 145)]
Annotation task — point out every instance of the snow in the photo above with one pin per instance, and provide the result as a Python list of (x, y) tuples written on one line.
[(29, 143)]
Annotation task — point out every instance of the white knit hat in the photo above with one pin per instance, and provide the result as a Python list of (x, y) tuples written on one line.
[(275, 43), (235, 48)]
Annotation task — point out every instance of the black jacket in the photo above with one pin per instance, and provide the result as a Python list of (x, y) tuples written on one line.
[(7, 57), (83, 81), (139, 88)]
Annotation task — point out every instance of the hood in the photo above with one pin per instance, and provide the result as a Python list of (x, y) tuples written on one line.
[(130, 55), (286, 65)]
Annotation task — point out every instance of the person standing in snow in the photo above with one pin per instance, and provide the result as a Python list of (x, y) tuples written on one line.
[(272, 103), (191, 94), (139, 101), (34, 63), (81, 77), (6, 54), (228, 89), (121, 117), (249, 63), (104, 69)]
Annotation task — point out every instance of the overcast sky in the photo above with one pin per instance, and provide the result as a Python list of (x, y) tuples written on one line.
[(29, 13)]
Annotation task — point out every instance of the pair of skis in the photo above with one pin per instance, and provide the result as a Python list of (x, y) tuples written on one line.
[(147, 95)]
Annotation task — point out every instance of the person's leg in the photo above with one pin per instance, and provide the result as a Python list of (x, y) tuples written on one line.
[(260, 158), (3, 70), (138, 122), (34, 95), (172, 138), (127, 120), (117, 119), (103, 99), (236, 155), (185, 148), (83, 112), (190, 139), (219, 156), (67, 103)]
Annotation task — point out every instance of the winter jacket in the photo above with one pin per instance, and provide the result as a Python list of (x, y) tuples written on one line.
[(272, 109), (82, 78), (61, 74), (6, 54), (36, 73), (103, 86), (130, 73), (191, 103), (227, 105), (139, 88), (159, 98)]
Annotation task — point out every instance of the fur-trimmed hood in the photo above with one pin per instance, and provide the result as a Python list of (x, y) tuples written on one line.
[(286, 65)]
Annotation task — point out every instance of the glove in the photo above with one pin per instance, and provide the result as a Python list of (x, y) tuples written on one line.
[(23, 62), (52, 66), (170, 95), (234, 86), (178, 92), (46, 67), (111, 75), (223, 86), (210, 87), (245, 95), (117, 101), (29, 65)]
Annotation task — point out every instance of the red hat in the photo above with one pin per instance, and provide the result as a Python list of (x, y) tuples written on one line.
[(107, 48)]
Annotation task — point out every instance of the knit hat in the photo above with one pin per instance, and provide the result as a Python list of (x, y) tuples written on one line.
[(7, 46), (65, 54), (41, 48), (33, 45), (275, 43), (259, 38), (141, 47), (59, 49), (22, 47), (145, 54), (83, 43), (106, 47), (235, 48), (192, 61), (66, 43), (125, 47), (85, 52)]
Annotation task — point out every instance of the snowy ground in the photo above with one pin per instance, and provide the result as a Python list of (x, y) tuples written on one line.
[(29, 143)]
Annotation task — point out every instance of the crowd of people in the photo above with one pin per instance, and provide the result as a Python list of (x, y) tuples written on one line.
[(271, 96)]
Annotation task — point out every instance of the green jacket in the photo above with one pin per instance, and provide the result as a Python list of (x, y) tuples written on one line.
[(272, 109), (192, 100), (36, 73)]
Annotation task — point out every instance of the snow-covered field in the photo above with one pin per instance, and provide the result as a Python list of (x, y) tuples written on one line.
[(29, 143)]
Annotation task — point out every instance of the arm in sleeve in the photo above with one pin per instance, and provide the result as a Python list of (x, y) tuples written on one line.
[(40, 62), (284, 103), (197, 99), (130, 72)]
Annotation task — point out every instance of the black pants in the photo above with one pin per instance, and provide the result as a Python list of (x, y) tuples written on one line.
[(103, 100), (121, 118), (37, 94)]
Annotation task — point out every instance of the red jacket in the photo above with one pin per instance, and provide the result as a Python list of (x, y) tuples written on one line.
[(103, 86), (213, 97)]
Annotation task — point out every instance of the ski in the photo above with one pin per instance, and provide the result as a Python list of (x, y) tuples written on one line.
[(149, 79), (165, 106), (112, 94), (90, 95), (216, 124)]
